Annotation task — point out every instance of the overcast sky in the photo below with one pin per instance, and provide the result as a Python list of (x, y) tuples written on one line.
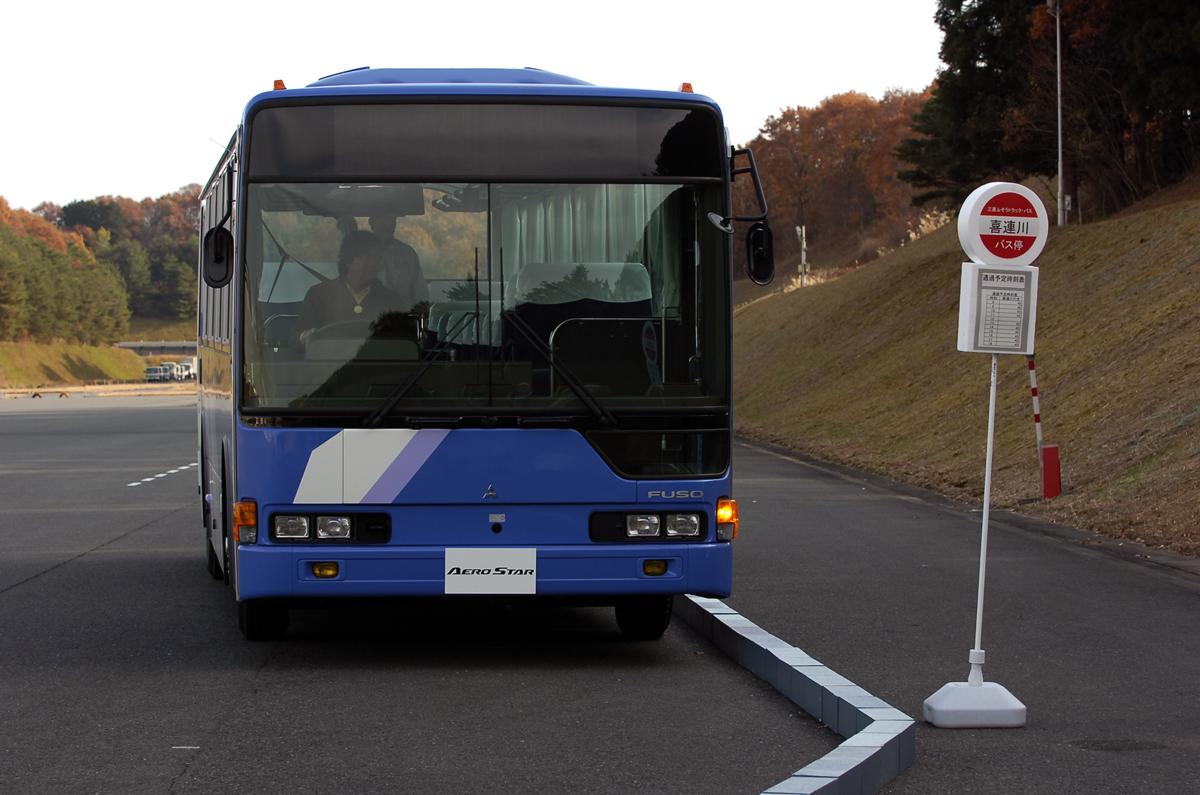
[(138, 99)]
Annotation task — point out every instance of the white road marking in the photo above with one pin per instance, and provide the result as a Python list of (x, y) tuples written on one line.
[(163, 474)]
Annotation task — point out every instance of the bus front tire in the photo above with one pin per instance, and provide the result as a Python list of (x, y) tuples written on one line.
[(644, 617), (262, 619)]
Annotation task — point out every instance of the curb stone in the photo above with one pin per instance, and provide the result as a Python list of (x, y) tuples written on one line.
[(880, 740)]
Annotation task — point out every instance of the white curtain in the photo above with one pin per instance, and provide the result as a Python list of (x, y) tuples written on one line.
[(580, 224)]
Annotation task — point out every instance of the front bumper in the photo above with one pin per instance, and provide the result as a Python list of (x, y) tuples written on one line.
[(279, 571)]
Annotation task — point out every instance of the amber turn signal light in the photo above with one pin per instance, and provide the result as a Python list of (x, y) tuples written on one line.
[(245, 522), (727, 519)]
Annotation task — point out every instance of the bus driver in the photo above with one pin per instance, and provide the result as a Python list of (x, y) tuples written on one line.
[(356, 294)]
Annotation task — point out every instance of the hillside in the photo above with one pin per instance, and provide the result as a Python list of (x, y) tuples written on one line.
[(864, 371), (31, 364)]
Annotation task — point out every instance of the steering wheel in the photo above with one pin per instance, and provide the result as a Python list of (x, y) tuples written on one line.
[(357, 329)]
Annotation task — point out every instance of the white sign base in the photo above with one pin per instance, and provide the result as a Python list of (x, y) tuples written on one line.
[(962, 705), (976, 704)]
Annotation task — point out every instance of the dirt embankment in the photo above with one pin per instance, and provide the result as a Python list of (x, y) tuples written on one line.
[(863, 371)]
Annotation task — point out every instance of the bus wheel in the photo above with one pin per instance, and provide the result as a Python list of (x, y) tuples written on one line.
[(262, 619), (644, 617)]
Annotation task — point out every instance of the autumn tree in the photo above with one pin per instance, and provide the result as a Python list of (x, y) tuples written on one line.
[(832, 169), (152, 244), (52, 287)]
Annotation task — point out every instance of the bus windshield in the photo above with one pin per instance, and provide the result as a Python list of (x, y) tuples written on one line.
[(442, 299)]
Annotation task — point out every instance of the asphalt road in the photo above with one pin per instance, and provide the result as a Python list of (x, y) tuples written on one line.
[(878, 582), (122, 669)]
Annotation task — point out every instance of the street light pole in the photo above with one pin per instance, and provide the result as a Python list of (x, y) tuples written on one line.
[(1057, 12)]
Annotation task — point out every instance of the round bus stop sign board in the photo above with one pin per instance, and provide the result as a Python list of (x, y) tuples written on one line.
[(1002, 223)]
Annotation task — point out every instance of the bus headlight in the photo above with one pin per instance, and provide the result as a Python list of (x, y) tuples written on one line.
[(641, 525), (333, 527), (290, 527), (683, 524)]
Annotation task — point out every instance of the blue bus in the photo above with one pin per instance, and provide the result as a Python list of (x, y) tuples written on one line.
[(467, 333)]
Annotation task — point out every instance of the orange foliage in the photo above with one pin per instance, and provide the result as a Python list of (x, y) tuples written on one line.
[(832, 169), (30, 225)]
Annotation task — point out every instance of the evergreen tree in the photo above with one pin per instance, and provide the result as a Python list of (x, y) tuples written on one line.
[(960, 141)]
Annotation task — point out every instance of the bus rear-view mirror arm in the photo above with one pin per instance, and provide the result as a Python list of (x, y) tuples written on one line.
[(217, 244), (760, 244)]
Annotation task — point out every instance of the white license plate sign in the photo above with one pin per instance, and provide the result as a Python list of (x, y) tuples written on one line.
[(491, 571)]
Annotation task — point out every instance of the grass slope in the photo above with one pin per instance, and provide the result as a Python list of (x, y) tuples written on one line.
[(864, 371), (28, 364), (155, 328)]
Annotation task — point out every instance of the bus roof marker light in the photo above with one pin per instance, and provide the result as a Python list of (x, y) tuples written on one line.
[(279, 86), (686, 88)]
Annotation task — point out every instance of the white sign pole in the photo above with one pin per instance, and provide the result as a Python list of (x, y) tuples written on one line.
[(1003, 228), (975, 678)]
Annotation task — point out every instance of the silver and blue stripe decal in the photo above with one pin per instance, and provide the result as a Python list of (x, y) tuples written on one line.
[(366, 466)]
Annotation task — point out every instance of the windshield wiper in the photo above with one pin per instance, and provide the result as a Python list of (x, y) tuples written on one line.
[(572, 381), (385, 407)]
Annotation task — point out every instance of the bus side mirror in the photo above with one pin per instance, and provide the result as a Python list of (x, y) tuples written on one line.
[(217, 256), (760, 254)]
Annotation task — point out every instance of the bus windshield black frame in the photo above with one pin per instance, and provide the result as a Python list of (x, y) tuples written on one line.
[(571, 269), (498, 141)]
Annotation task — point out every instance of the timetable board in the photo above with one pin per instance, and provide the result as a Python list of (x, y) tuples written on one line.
[(997, 308)]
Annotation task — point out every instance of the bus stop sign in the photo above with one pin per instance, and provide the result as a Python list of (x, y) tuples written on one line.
[(1002, 223)]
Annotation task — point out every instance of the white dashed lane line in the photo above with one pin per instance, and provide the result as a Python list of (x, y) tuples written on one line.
[(153, 478)]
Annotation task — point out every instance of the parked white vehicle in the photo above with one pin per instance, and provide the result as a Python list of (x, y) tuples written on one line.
[(157, 373)]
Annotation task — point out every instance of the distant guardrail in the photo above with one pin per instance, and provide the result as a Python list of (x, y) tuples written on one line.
[(160, 347)]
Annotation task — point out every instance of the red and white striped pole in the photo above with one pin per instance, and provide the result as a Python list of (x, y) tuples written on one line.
[(1047, 453), (1037, 409)]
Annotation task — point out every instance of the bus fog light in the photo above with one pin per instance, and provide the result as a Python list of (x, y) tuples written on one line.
[(683, 524), (325, 570), (641, 525), (333, 527), (291, 527), (654, 568)]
